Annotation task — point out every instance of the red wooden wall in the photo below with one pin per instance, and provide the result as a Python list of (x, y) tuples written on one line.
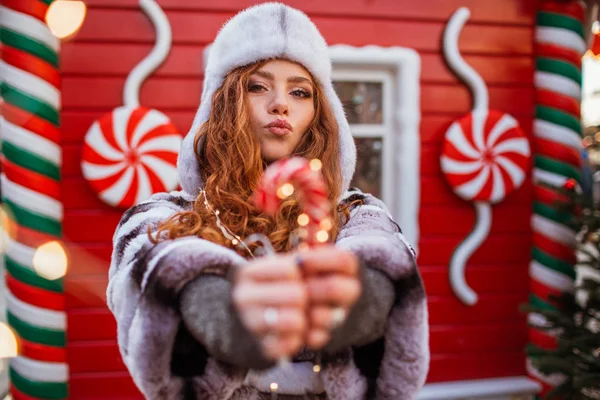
[(467, 343)]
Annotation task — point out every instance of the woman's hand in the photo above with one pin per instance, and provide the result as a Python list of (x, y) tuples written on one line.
[(271, 299), (333, 286)]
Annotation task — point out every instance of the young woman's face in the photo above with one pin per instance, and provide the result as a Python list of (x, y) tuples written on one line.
[(280, 100)]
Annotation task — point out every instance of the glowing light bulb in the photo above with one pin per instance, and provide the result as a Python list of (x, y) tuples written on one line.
[(7, 230), (315, 164), (303, 219), (8, 342), (322, 236), (50, 260), (65, 17), (274, 387), (316, 369), (286, 190), (326, 224)]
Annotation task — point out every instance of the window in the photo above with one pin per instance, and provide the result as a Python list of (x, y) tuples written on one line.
[(366, 97), (379, 88)]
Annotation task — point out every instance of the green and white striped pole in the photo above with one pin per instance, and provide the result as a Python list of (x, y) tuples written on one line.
[(560, 44), (31, 161)]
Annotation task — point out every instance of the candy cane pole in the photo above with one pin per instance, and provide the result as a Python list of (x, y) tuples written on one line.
[(31, 160), (559, 45)]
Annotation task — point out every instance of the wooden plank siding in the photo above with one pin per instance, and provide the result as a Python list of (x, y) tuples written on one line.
[(466, 342)]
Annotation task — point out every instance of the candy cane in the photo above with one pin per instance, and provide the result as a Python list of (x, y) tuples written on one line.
[(279, 181), (283, 178)]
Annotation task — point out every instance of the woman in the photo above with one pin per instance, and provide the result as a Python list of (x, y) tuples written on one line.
[(202, 317)]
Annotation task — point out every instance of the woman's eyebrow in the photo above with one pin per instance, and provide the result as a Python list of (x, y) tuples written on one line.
[(265, 74), (291, 79), (298, 79)]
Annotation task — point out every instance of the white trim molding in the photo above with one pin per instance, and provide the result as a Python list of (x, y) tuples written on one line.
[(518, 387), (405, 65)]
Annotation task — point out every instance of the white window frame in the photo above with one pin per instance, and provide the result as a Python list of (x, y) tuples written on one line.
[(399, 69), (375, 131)]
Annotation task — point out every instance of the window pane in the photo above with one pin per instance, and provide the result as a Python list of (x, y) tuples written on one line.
[(368, 166), (361, 100)]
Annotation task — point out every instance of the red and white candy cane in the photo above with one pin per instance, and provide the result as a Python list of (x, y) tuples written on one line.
[(279, 181), (284, 177)]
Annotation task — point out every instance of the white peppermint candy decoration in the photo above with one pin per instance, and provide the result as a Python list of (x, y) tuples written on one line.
[(129, 154)]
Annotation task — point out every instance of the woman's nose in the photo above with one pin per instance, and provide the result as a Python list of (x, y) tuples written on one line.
[(279, 104)]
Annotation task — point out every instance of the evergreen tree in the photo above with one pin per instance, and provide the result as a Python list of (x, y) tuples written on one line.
[(576, 318)]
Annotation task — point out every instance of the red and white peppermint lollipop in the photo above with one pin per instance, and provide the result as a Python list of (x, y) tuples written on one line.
[(129, 154), (485, 156), (282, 178)]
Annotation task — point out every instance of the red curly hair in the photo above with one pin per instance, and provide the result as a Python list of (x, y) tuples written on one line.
[(231, 164)]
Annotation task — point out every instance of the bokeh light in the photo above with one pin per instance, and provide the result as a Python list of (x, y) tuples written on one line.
[(322, 236), (8, 342), (65, 17), (315, 164), (286, 190), (7, 229), (326, 224), (50, 260), (303, 219)]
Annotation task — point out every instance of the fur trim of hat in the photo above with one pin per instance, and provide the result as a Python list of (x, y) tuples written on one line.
[(262, 32)]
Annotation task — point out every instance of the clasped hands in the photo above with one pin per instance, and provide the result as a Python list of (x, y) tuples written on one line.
[(295, 300)]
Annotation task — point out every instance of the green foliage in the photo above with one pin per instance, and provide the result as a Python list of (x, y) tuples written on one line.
[(576, 321)]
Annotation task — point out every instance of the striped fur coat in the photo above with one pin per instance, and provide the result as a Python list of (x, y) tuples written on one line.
[(146, 279)]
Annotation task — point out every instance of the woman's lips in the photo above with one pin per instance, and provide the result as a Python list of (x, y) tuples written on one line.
[(278, 131)]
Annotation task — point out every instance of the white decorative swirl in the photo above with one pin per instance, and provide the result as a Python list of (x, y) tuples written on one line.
[(464, 251), (459, 65), (131, 94)]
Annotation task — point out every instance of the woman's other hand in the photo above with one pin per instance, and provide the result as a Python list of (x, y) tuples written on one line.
[(332, 281), (271, 299)]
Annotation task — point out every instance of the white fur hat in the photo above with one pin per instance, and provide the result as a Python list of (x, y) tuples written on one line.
[(266, 31)]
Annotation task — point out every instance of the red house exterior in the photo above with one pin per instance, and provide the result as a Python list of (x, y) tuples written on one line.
[(467, 342)]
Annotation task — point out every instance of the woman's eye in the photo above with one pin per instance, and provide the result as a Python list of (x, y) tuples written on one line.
[(302, 93), (254, 87)]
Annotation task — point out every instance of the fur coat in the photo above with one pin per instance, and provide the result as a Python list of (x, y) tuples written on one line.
[(146, 280)]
